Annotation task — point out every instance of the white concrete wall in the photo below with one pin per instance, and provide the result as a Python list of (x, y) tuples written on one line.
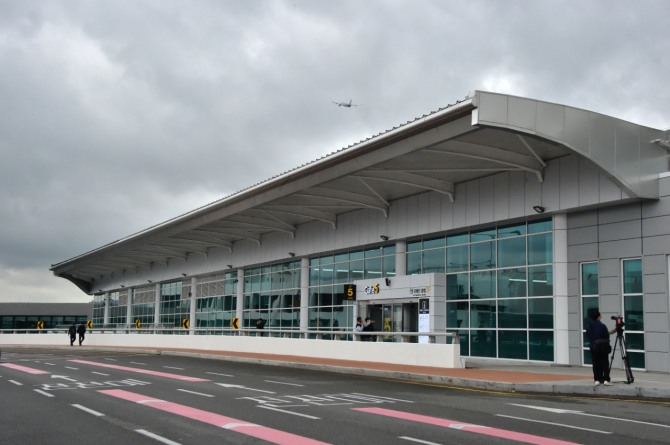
[(417, 354)]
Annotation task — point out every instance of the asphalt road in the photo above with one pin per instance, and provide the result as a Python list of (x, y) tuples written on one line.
[(85, 397)]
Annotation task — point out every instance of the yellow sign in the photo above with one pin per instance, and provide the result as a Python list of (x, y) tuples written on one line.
[(235, 323), (350, 291), (89, 324), (40, 325), (185, 323), (137, 323)]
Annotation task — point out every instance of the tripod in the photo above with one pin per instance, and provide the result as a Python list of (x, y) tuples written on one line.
[(621, 341)]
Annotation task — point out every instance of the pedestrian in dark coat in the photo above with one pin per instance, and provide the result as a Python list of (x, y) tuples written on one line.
[(81, 330)]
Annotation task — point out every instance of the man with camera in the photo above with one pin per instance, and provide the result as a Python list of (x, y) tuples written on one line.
[(599, 344)]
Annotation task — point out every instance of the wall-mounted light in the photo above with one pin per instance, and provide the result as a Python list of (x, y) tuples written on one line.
[(538, 209), (122, 286), (384, 237), (150, 281), (292, 254), (388, 281), (183, 274)]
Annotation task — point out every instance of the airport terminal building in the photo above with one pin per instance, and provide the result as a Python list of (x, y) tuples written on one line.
[(500, 218)]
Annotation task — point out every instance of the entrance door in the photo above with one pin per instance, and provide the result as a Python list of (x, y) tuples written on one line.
[(396, 317)]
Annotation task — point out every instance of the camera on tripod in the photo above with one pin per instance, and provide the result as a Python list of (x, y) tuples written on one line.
[(619, 323)]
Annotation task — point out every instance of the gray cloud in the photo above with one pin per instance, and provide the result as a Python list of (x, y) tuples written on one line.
[(115, 116)]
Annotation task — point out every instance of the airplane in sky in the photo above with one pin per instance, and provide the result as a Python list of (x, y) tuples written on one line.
[(345, 104)]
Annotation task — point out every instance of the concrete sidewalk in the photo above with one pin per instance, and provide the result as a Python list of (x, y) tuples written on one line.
[(484, 375)]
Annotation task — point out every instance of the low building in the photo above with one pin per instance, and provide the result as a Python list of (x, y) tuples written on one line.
[(500, 218), (51, 315)]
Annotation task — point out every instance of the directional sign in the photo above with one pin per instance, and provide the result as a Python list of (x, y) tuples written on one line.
[(40, 325), (137, 323), (235, 323), (185, 323), (350, 291), (89, 324)]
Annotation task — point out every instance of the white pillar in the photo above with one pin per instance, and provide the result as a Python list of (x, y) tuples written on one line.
[(157, 305), (106, 313), (239, 302), (129, 308), (304, 293), (192, 294), (400, 258), (561, 315)]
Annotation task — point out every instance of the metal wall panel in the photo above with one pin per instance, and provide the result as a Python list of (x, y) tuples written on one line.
[(517, 194), (589, 182), (657, 245), (621, 248), (472, 204), (569, 182), (619, 231), (501, 197), (522, 113), (550, 120), (486, 197), (583, 235)]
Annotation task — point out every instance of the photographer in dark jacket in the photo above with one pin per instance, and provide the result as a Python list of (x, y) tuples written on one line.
[(599, 344)]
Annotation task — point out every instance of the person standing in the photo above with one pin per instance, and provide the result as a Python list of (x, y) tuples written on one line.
[(72, 332), (599, 344), (81, 330), (358, 328), (260, 324)]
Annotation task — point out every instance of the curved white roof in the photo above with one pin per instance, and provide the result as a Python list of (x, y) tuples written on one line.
[(484, 134)]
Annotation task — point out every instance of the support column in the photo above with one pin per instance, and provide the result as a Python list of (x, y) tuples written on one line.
[(400, 258), (304, 293), (157, 305), (129, 308), (106, 312), (192, 295), (561, 310), (239, 302)]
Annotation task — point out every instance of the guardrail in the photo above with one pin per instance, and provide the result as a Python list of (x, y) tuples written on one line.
[(319, 334)]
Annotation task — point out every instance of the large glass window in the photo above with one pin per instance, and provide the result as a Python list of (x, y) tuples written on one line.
[(589, 285), (216, 301), (278, 301), (500, 288), (328, 308), (173, 308), (633, 311)]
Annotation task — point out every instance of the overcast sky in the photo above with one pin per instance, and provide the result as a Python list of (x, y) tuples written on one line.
[(117, 115)]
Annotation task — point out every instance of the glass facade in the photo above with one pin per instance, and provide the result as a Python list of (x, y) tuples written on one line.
[(328, 307), (499, 288), (30, 321), (272, 293), (143, 305), (173, 308), (217, 301), (633, 310), (589, 291)]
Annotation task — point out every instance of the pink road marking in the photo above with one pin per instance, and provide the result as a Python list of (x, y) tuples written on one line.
[(250, 429), (479, 429), (24, 368), (143, 371)]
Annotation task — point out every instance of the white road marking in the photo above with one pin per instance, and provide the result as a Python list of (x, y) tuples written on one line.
[(418, 440), (283, 383), (289, 412), (223, 375), (196, 393), (100, 373), (138, 363), (173, 367), (157, 437), (555, 424), (110, 359), (16, 383), (88, 410), (382, 397), (582, 413), (64, 377), (226, 385), (50, 364), (44, 393), (70, 367)]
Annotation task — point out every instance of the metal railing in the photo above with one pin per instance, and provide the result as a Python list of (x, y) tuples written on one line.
[(319, 334)]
